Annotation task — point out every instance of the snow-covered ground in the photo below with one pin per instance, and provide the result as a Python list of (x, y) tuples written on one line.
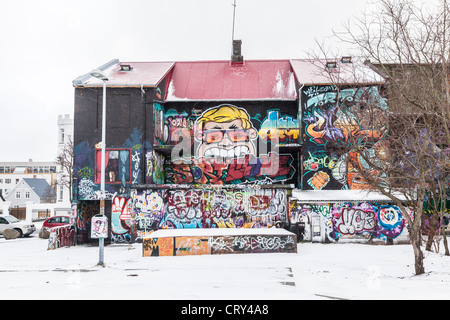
[(318, 271)]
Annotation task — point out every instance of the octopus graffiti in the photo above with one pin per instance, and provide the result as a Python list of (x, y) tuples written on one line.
[(341, 118)]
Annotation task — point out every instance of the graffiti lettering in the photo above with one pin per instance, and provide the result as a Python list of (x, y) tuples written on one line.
[(136, 159), (196, 245), (63, 236), (354, 221), (85, 172), (121, 220), (282, 130), (196, 208), (265, 169)]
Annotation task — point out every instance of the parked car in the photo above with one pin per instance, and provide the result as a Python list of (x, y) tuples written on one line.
[(11, 222), (56, 221)]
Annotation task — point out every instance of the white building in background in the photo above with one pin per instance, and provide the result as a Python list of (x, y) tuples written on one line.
[(65, 135), (12, 174)]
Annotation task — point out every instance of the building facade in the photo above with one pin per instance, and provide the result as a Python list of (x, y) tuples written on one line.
[(65, 144), (225, 144), (13, 174)]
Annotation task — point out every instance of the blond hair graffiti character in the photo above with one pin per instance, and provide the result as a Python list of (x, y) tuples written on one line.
[(225, 132)]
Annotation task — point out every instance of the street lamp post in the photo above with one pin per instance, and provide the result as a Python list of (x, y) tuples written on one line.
[(100, 75)]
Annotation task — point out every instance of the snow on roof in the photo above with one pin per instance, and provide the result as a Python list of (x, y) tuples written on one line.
[(216, 80), (147, 74), (209, 232), (39, 186), (340, 195), (222, 80), (315, 72)]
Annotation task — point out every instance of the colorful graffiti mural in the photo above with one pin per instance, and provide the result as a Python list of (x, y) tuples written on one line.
[(280, 129), (123, 167), (147, 211), (336, 120), (121, 221), (225, 132), (348, 220), (226, 127), (266, 169), (227, 147), (62, 236), (154, 168), (208, 208)]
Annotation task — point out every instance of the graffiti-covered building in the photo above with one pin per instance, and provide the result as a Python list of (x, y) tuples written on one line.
[(220, 144), (342, 106)]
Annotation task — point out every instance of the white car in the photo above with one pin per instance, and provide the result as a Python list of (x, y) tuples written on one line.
[(10, 222)]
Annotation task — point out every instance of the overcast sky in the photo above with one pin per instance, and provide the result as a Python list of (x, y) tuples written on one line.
[(45, 44)]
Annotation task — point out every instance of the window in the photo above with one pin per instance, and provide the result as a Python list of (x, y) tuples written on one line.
[(8, 181), (17, 181), (65, 220), (117, 166), (61, 135), (125, 67), (61, 195), (11, 219), (5, 170), (27, 194), (1, 180), (18, 194)]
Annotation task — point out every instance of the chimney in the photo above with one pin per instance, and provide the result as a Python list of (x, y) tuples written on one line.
[(237, 58)]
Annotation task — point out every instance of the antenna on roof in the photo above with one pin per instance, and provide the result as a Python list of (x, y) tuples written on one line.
[(234, 15)]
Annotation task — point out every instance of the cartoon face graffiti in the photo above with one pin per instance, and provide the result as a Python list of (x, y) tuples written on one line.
[(225, 132)]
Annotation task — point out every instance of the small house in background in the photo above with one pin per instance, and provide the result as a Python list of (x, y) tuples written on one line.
[(32, 199)]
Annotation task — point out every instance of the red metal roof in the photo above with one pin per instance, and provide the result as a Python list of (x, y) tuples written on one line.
[(221, 80)]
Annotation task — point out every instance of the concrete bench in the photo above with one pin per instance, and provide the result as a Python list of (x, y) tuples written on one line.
[(179, 242)]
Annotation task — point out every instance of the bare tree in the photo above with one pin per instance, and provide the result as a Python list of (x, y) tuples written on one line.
[(409, 45), (65, 160), (49, 195)]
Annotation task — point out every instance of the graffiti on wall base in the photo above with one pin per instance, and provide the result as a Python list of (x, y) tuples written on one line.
[(198, 245), (195, 208), (62, 236), (348, 220)]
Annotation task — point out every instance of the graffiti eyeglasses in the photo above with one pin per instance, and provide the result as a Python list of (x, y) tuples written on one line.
[(212, 136)]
